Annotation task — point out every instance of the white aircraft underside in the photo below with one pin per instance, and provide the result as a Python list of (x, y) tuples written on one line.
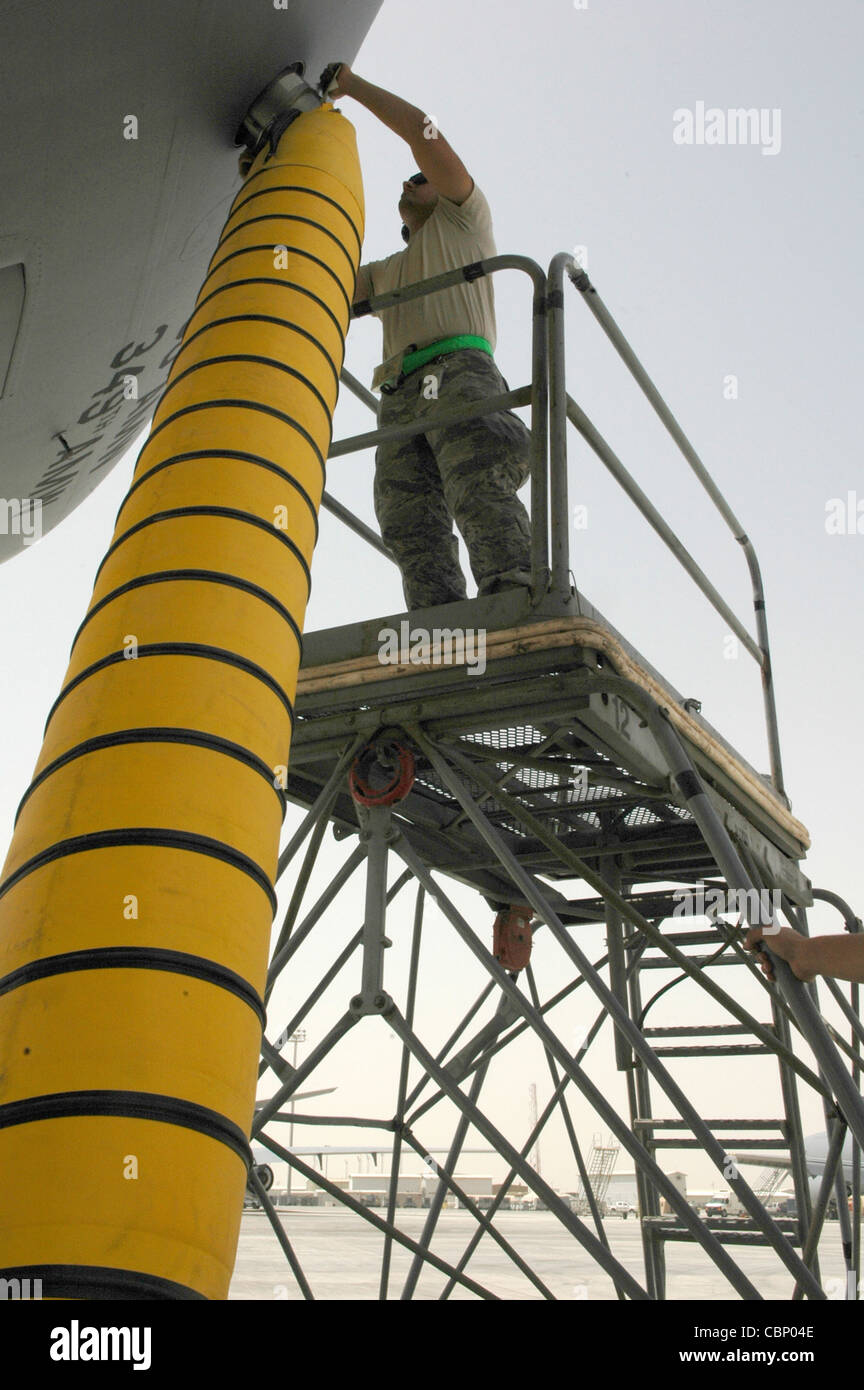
[(117, 166)]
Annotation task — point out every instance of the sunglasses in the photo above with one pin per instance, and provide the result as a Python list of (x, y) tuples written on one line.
[(417, 178)]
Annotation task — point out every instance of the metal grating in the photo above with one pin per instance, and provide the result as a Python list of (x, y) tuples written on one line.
[(521, 736), (562, 790), (641, 815)]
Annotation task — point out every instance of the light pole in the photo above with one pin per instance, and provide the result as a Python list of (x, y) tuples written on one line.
[(296, 1039)]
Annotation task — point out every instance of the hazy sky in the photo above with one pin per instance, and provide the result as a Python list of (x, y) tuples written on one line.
[(719, 261)]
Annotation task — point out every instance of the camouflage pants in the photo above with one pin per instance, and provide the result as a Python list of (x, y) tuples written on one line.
[(469, 473)]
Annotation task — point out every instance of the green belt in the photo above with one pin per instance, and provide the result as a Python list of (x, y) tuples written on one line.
[(412, 360)]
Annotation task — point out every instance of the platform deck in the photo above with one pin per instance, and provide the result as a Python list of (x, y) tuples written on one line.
[(573, 752)]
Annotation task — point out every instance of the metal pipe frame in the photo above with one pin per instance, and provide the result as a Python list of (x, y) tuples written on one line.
[(457, 415), (627, 482), (346, 1200), (337, 509), (395, 835), (341, 960), (826, 1187), (322, 800), (581, 870), (580, 280), (525, 1150), (445, 1176), (640, 1107), (484, 1224), (380, 834), (559, 1086), (807, 1017), (399, 1117), (795, 1135), (271, 1110), (554, 1203), (693, 795), (850, 1232), (429, 1066), (516, 809), (622, 1021), (852, 1013), (521, 1027), (279, 1231), (558, 491)]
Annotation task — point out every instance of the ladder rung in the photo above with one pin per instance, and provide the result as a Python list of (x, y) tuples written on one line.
[(679, 939), (664, 963), (674, 1123), (733, 1143), (732, 1050), (703, 1030), (727, 1234)]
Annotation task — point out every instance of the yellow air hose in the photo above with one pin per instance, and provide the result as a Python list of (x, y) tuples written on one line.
[(137, 898)]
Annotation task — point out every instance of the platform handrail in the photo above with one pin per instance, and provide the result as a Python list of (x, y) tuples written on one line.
[(629, 485), (560, 409), (547, 396)]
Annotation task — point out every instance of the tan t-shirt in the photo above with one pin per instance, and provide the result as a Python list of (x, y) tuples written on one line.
[(455, 234)]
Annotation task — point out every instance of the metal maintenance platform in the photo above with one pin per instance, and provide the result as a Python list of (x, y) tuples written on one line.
[(519, 745)]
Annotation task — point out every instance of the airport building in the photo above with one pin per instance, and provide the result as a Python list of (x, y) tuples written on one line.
[(413, 1190)]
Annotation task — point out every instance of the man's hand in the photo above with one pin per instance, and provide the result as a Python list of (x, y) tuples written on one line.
[(342, 85), (840, 956), (789, 945)]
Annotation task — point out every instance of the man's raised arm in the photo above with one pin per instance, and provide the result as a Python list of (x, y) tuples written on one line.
[(435, 158)]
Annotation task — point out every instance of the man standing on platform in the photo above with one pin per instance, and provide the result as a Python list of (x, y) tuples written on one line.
[(438, 355)]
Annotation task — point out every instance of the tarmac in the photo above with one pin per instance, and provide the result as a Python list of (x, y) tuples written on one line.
[(340, 1255)]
